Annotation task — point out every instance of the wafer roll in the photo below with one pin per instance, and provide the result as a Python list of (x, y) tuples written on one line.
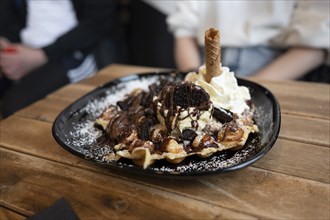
[(212, 53)]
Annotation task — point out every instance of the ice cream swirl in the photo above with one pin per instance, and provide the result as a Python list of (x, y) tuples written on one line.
[(223, 89)]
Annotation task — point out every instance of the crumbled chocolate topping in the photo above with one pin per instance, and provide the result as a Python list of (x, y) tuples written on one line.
[(132, 117), (184, 94), (188, 134)]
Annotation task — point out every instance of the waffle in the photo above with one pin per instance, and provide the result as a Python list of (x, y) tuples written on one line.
[(171, 122)]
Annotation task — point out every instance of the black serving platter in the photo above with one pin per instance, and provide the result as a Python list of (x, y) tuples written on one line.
[(74, 130)]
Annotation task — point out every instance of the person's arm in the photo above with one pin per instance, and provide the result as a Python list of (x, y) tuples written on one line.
[(96, 18), (183, 23), (293, 64), (308, 28), (17, 60), (187, 55)]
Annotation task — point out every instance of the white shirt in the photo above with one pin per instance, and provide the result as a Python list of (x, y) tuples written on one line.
[(250, 23), (46, 21)]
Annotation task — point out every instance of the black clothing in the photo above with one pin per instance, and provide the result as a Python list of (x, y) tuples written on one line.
[(45, 80), (97, 20), (150, 42), (97, 23)]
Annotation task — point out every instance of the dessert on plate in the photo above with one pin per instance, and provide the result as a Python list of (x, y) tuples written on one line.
[(205, 113)]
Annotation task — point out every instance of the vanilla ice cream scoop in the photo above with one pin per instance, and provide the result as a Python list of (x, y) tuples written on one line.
[(183, 106)]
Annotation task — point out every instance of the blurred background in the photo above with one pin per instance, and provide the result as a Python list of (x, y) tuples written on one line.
[(46, 44)]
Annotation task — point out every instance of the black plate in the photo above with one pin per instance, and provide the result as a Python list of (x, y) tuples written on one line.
[(73, 129)]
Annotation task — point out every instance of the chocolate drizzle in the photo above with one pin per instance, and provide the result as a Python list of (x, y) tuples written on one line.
[(179, 97), (151, 119), (133, 119)]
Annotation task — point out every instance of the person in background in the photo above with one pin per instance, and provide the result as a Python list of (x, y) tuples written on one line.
[(150, 42), (273, 40), (47, 44)]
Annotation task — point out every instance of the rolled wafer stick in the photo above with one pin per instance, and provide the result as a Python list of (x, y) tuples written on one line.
[(212, 53)]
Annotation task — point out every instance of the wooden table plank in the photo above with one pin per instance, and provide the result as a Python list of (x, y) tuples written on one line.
[(307, 130), (36, 141), (298, 159), (95, 196), (116, 71), (251, 191), (278, 160), (285, 153), (97, 80), (6, 214), (291, 181), (46, 109), (282, 158), (316, 131), (292, 98), (301, 98), (72, 92)]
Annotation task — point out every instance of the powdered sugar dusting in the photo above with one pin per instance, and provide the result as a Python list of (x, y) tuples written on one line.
[(84, 134), (97, 106)]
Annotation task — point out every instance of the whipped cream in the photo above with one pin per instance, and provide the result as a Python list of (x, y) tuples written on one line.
[(223, 89)]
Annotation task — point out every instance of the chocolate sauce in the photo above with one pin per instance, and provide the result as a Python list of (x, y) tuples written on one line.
[(136, 123), (162, 147), (194, 124), (132, 124), (178, 97), (140, 143)]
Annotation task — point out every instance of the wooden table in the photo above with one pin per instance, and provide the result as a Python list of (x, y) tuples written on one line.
[(290, 182)]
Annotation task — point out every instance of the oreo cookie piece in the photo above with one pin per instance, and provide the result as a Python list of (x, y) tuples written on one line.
[(188, 134), (187, 94), (222, 115)]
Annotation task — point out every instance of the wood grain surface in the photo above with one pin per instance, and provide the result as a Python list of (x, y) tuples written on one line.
[(6, 214), (289, 182)]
